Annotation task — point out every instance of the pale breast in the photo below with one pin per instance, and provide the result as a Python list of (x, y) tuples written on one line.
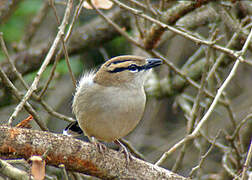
[(109, 113)]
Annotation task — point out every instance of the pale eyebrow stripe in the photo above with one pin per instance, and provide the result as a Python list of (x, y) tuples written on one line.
[(119, 61)]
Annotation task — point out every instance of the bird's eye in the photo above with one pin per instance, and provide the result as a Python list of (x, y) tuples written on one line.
[(133, 68)]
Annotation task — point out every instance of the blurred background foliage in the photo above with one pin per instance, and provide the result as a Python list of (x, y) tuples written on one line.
[(15, 27)]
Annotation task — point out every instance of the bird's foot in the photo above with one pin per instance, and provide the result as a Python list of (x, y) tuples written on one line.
[(101, 147), (125, 151)]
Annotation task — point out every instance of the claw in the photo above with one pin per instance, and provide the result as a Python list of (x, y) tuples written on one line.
[(101, 147), (125, 151)]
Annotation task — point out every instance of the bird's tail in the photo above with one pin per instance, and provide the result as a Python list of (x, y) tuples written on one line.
[(73, 129)]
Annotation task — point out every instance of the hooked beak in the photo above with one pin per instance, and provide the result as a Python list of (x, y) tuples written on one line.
[(153, 62)]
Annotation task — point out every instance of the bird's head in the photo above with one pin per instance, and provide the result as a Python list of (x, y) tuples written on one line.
[(125, 71)]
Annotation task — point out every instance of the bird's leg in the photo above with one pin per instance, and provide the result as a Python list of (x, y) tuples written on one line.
[(101, 147), (124, 150)]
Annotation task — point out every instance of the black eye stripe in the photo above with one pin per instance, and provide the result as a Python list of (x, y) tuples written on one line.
[(132, 67)]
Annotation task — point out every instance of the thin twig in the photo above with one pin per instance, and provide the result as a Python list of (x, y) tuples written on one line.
[(10, 61), (162, 5), (150, 8), (203, 158), (139, 4), (64, 45), (236, 132), (219, 145), (247, 162), (53, 112), (154, 53), (227, 168), (104, 53), (193, 38), (18, 95), (219, 60), (141, 33), (195, 108), (194, 57), (68, 34), (50, 54), (183, 75), (37, 98), (225, 83), (196, 131), (234, 145)]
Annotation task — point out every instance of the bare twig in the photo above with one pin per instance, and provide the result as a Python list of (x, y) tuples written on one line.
[(225, 83), (104, 53), (150, 8), (64, 46), (33, 87), (193, 38), (140, 5), (247, 162), (196, 131), (219, 145), (183, 75), (203, 158), (227, 168), (18, 95), (194, 57), (222, 55), (19, 75), (236, 131), (37, 98), (154, 53), (195, 108), (58, 56)]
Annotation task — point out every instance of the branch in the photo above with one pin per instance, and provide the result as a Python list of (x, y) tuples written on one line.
[(47, 60), (206, 116), (90, 35), (247, 162), (76, 155), (170, 17)]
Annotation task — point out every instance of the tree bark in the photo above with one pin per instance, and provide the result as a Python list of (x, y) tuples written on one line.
[(76, 155)]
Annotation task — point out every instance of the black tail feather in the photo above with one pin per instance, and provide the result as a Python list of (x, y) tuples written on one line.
[(73, 129)]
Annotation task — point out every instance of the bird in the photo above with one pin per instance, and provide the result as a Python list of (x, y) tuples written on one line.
[(109, 103)]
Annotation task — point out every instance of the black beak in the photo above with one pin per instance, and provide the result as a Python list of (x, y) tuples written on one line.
[(153, 62)]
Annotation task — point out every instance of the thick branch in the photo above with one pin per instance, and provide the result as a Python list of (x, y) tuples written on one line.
[(76, 155)]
